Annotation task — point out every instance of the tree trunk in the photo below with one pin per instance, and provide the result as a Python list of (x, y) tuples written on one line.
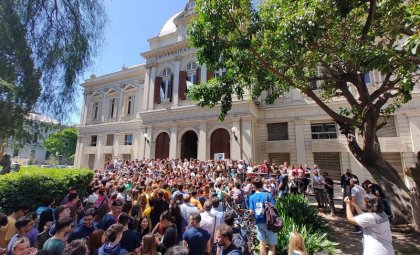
[(404, 203)]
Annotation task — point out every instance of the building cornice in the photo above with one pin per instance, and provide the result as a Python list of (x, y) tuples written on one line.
[(167, 51), (124, 74)]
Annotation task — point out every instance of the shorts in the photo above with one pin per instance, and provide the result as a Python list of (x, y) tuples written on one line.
[(265, 235)]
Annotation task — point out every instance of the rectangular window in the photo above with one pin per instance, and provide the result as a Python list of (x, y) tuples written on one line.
[(128, 139), (95, 112), (113, 108), (324, 131), (277, 131), (109, 139), (130, 105), (329, 162), (94, 140)]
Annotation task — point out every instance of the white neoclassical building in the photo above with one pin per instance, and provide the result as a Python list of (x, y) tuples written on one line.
[(142, 112)]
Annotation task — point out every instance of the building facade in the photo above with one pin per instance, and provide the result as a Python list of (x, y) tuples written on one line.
[(143, 112)]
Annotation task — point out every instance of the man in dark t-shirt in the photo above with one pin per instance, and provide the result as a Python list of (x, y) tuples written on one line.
[(130, 240), (196, 238), (329, 193)]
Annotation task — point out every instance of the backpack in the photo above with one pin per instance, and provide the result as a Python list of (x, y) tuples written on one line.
[(239, 241), (274, 222)]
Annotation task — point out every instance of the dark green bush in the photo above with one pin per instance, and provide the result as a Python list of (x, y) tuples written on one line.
[(298, 215), (31, 183)]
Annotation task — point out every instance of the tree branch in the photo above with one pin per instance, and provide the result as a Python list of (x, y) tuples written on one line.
[(369, 20), (347, 94), (334, 115), (382, 89)]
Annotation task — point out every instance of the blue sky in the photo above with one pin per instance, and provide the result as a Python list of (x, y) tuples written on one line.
[(131, 23)]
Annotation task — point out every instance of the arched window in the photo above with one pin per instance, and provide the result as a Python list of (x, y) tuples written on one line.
[(166, 85), (95, 110)]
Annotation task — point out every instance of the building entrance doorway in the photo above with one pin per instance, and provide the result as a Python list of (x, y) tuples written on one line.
[(189, 145), (162, 146), (220, 143)]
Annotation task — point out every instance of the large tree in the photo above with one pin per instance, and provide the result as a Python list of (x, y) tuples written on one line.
[(63, 142), (283, 44), (44, 46)]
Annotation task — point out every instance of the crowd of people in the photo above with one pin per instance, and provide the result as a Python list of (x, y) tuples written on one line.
[(178, 207)]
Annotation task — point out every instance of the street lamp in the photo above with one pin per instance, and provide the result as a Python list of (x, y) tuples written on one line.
[(234, 130), (145, 138)]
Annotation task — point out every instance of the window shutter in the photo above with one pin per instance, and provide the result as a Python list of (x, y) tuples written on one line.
[(170, 89), (182, 85), (210, 74), (198, 75), (329, 162), (158, 81), (277, 131)]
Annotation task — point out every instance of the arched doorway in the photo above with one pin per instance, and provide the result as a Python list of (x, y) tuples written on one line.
[(162, 146), (220, 143), (189, 145)]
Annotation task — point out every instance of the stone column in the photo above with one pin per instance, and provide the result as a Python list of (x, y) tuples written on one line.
[(98, 155), (246, 139), (136, 145), (300, 141), (139, 98), (173, 142), (202, 141), (146, 89), (118, 140), (85, 108), (203, 75), (152, 88), (80, 148), (120, 105), (175, 88), (414, 122), (148, 147), (104, 108), (235, 143)]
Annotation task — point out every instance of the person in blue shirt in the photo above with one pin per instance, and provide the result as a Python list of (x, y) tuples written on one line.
[(195, 238), (257, 207), (86, 228)]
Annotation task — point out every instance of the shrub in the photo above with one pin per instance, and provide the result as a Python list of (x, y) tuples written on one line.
[(298, 208), (32, 183), (298, 215)]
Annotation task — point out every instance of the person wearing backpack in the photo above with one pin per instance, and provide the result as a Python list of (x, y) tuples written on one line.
[(257, 208), (239, 238)]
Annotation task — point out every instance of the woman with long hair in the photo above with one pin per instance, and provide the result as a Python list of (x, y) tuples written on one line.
[(96, 239), (148, 245), (296, 245), (377, 237), (143, 227)]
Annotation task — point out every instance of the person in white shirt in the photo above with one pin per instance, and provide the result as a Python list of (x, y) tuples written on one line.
[(377, 237), (319, 182), (209, 222)]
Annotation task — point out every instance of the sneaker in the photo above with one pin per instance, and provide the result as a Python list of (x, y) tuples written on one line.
[(356, 232)]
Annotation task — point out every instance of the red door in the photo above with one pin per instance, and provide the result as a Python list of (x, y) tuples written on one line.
[(220, 143), (162, 146)]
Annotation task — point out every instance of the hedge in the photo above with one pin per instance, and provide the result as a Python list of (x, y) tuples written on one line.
[(298, 215), (31, 184)]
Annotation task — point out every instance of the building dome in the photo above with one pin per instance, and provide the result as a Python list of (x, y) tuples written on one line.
[(169, 26)]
